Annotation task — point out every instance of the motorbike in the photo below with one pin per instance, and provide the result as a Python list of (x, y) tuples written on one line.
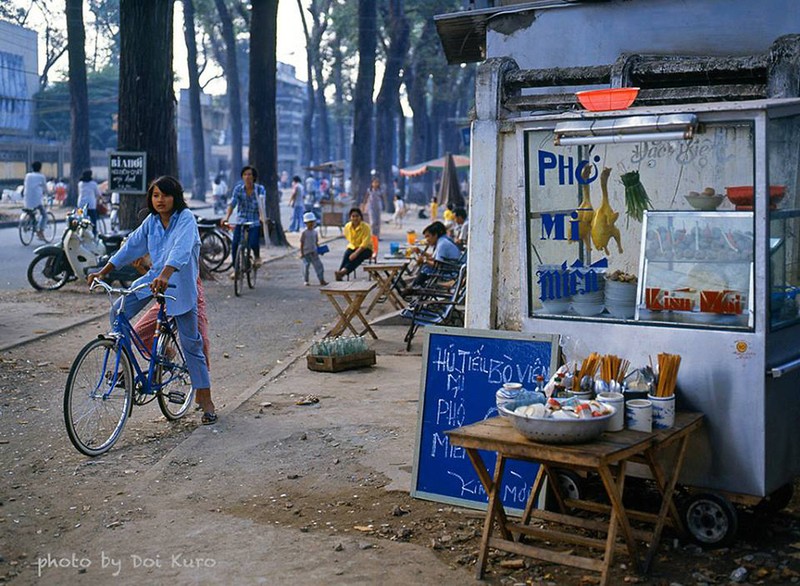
[(79, 253)]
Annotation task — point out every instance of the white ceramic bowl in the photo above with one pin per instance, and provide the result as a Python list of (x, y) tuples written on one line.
[(621, 311), (587, 309), (556, 306), (557, 431), (706, 203)]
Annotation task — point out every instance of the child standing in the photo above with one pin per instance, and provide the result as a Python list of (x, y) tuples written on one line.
[(309, 242)]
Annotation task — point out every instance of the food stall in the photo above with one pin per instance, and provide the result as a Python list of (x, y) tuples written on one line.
[(697, 205)]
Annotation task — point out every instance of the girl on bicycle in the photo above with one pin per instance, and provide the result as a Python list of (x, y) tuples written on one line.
[(169, 234)]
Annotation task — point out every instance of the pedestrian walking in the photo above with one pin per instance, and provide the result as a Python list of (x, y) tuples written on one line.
[(373, 205), (309, 245), (88, 192), (297, 205)]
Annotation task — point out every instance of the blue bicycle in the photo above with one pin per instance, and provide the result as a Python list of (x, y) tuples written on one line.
[(105, 380)]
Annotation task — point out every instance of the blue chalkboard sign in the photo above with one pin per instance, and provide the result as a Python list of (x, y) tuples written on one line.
[(461, 371)]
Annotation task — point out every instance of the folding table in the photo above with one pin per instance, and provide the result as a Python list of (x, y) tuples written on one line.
[(662, 451), (385, 274), (347, 298)]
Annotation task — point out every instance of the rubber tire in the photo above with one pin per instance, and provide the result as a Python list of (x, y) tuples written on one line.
[(251, 274), (213, 249), (238, 271), (50, 228), (710, 519), (63, 276), (777, 500), (572, 483), (173, 411), (27, 229), (74, 379)]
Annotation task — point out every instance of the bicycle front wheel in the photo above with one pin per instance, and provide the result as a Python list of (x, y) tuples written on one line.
[(27, 227), (251, 265), (239, 269), (98, 397), (175, 394), (50, 228)]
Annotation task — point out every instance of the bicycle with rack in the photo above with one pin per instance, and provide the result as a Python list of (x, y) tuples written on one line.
[(106, 380)]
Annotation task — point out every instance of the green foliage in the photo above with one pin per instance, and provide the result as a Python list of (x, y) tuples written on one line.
[(53, 120)]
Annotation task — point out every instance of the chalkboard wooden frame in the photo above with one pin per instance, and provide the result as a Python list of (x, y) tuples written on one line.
[(426, 475)]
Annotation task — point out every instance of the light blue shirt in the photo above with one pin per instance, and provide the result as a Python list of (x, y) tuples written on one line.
[(446, 249), (177, 246)]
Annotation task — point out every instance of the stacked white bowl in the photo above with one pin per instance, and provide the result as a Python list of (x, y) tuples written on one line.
[(620, 299), (587, 304)]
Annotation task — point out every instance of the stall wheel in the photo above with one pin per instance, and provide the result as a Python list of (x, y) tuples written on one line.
[(710, 519), (777, 500), (572, 484)]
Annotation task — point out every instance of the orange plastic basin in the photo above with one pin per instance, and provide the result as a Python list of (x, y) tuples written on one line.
[(742, 195), (608, 99)]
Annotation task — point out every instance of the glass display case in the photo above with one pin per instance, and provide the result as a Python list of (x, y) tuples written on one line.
[(697, 268)]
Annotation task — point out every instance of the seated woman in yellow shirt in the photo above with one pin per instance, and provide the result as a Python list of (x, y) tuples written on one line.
[(359, 244)]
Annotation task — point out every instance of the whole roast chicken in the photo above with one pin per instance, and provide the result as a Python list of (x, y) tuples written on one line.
[(604, 219)]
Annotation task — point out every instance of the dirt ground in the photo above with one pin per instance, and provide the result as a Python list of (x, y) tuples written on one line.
[(303, 474)]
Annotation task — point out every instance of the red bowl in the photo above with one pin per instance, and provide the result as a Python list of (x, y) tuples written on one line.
[(742, 195), (610, 99)]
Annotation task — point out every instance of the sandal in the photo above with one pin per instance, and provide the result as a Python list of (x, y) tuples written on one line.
[(209, 418)]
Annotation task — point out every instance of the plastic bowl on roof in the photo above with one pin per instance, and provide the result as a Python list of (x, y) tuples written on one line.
[(607, 99)]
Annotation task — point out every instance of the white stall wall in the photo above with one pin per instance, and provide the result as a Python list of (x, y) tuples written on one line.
[(597, 33)]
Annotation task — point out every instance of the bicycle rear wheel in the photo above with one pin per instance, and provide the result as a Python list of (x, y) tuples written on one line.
[(27, 227), (212, 249), (176, 393), (98, 397), (239, 269), (50, 227)]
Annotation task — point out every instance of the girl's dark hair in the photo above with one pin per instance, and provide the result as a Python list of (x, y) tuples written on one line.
[(168, 186), (86, 175), (355, 211), (297, 179), (460, 213), (253, 169), (436, 228)]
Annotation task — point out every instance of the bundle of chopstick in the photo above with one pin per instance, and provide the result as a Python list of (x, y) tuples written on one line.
[(668, 365), (588, 368), (613, 368)]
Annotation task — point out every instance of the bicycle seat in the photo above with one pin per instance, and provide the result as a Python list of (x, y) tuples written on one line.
[(28, 210), (208, 223)]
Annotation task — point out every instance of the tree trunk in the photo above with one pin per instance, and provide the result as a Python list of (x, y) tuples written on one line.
[(263, 121), (386, 104), (324, 145), (339, 109), (234, 98), (195, 111), (80, 155), (146, 98), (307, 146), (362, 99)]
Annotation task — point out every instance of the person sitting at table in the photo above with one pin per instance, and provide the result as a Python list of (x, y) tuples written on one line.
[(445, 256), (461, 228), (359, 244)]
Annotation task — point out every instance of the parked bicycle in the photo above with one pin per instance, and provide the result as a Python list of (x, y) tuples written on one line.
[(244, 264), (105, 380), (29, 222), (215, 244)]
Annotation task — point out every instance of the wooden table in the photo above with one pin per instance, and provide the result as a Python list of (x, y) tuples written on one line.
[(606, 456), (347, 297), (385, 274)]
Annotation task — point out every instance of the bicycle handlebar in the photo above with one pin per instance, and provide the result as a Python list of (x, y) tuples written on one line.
[(123, 291)]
